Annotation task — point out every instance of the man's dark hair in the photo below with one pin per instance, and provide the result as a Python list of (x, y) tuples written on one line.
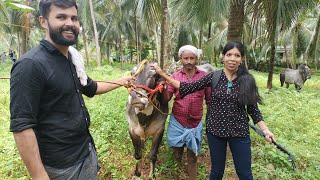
[(44, 5)]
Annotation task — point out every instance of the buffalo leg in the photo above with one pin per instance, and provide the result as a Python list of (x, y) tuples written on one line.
[(282, 79), (156, 141), (298, 88), (287, 85), (137, 144)]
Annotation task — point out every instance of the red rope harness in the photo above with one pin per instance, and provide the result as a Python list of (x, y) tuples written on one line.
[(159, 88)]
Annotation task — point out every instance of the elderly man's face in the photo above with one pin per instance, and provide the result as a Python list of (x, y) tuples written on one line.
[(188, 60)]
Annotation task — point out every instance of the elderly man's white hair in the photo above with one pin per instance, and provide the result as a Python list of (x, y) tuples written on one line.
[(193, 49)]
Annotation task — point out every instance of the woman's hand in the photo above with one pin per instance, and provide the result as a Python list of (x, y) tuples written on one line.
[(173, 82), (269, 135), (157, 69)]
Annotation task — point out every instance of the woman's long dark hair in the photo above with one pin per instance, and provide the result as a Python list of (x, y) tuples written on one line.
[(248, 93)]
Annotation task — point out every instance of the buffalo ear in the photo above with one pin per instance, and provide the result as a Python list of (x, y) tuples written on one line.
[(134, 70)]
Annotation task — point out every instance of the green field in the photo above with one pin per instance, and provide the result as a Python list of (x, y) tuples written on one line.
[(293, 117)]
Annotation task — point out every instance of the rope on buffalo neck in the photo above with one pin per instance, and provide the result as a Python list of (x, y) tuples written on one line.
[(131, 87), (154, 102), (151, 91)]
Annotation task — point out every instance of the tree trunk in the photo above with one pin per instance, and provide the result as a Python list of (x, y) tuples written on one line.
[(294, 44), (131, 55), (108, 53), (209, 36), (157, 43), (272, 38), (164, 33), (120, 48), (236, 20), (96, 38), (19, 48), (271, 64), (215, 57), (200, 39), (311, 51), (200, 43), (209, 30), (25, 33), (137, 39), (85, 43), (286, 56), (117, 52)]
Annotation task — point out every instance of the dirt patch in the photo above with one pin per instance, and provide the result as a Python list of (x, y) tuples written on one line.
[(165, 167)]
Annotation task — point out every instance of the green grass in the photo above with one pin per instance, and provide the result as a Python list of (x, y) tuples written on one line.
[(293, 117)]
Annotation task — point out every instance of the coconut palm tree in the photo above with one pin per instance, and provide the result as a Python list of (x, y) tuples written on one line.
[(84, 14), (312, 52), (4, 19), (236, 20), (90, 32), (17, 19), (196, 15), (4, 14), (164, 33), (140, 17), (95, 32)]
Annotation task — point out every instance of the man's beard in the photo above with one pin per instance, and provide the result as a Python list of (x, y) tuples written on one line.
[(58, 38)]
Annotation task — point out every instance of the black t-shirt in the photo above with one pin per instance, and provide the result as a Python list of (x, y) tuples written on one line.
[(46, 95)]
